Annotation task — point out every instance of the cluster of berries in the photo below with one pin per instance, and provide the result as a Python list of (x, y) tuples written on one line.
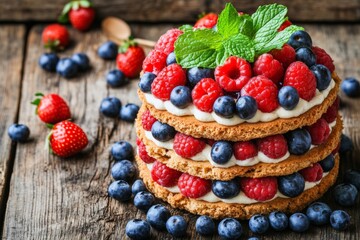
[(112, 107)]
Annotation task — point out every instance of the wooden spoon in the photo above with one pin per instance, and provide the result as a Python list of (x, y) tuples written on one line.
[(119, 31)]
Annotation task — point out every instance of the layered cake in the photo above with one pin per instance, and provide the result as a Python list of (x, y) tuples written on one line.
[(239, 118)]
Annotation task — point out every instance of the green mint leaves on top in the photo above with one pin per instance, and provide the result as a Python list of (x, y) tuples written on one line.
[(244, 36)]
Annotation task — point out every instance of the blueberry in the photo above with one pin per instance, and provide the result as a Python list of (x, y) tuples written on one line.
[(351, 87), (144, 200), (226, 189), (278, 220), (67, 68), (322, 75), (221, 152), (162, 131), (146, 81), (224, 106), (300, 39), (327, 163), (230, 229), (246, 107), (176, 226), (346, 144), (353, 176), (340, 220), (116, 78), (318, 213), (138, 186), (253, 238), (137, 229), (288, 97), (129, 112), (123, 170), (181, 96), (345, 194), (306, 56), (259, 224), (291, 185), (108, 50), (299, 141), (299, 222), (157, 216), (122, 150), (82, 60), (205, 226), (171, 58), (110, 106), (48, 61), (195, 74), (120, 190), (18, 132)]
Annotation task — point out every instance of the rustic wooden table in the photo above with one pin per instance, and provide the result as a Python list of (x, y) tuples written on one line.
[(44, 197)]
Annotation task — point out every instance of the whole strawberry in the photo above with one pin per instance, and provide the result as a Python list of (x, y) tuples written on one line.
[(67, 139), (80, 13), (130, 58), (51, 108), (55, 37)]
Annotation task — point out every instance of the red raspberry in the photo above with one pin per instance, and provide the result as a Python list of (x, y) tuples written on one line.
[(332, 111), (286, 55), (207, 21), (147, 120), (274, 146), (269, 67), (244, 150), (210, 141), (285, 24), (143, 153), (163, 175), (166, 42), (233, 74), (205, 93), (319, 131), (264, 91), (323, 58), (169, 78), (312, 174), (187, 146), (299, 76), (336, 150), (193, 187), (260, 189), (154, 62)]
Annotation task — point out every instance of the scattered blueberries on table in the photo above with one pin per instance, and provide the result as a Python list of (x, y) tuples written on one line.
[(259, 224), (224, 106), (346, 144), (108, 50), (230, 229), (138, 186), (181, 96), (144, 200), (351, 87), (18, 132), (322, 75), (157, 216), (291, 185), (48, 61), (67, 68), (318, 213), (145, 82), (116, 78), (122, 150), (300, 39), (353, 176), (340, 220), (162, 131), (110, 107), (288, 97), (299, 222), (137, 229), (82, 60), (246, 107), (345, 194), (226, 189), (221, 152), (176, 226), (129, 112), (120, 190), (123, 170), (205, 226), (278, 220)]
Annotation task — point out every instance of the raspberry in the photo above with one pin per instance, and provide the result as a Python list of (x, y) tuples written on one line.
[(205, 93), (274, 146), (147, 120), (264, 91), (332, 111), (169, 78), (312, 174), (286, 55), (163, 175), (285, 24), (166, 41), (193, 187), (154, 62), (187, 146), (269, 67), (244, 150), (260, 189), (299, 76), (323, 58), (207, 21), (233, 74), (336, 150), (319, 131), (143, 153)]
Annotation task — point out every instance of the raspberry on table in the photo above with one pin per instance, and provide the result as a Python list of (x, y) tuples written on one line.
[(299, 76), (205, 94), (271, 68), (323, 58), (166, 41), (332, 112), (143, 153), (169, 78), (147, 120), (319, 131), (264, 91), (154, 62), (260, 189), (245, 150), (233, 74), (163, 175), (187, 146), (193, 187), (286, 55), (274, 146), (313, 173)]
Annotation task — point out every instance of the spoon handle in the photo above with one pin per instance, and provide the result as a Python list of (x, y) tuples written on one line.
[(145, 42)]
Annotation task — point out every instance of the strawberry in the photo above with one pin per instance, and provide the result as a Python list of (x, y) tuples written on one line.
[(67, 138), (80, 13), (51, 108), (130, 58), (55, 37), (206, 21)]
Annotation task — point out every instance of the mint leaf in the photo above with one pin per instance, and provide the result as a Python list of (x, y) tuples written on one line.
[(221, 56), (228, 21), (246, 26), (266, 15), (240, 46), (186, 27)]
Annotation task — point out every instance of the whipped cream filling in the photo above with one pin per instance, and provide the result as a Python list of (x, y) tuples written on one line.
[(302, 107)]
